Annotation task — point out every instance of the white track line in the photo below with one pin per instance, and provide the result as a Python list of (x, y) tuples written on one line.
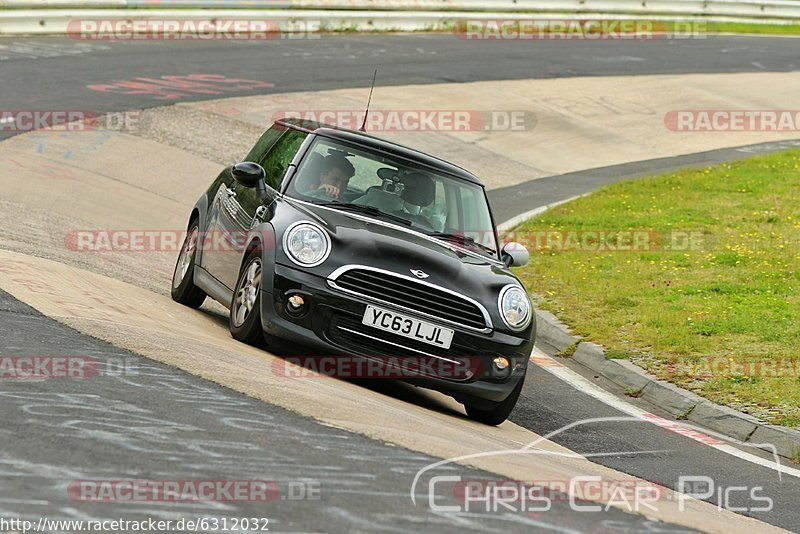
[(580, 383), (522, 217)]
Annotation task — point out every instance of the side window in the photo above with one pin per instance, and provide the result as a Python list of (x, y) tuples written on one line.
[(264, 143), (278, 158)]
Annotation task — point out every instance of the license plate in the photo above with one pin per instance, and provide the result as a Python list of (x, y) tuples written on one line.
[(409, 327)]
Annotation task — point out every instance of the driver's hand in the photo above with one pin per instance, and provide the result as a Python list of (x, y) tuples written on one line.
[(331, 190)]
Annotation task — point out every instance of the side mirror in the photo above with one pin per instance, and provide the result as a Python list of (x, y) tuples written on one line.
[(251, 174), (514, 254), (248, 174)]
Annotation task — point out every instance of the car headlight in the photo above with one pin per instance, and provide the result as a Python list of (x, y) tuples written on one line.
[(306, 244), (515, 307)]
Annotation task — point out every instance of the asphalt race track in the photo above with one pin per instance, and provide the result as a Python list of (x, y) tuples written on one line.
[(165, 424), (211, 433), (53, 73)]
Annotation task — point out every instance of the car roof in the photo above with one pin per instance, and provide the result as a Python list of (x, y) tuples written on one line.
[(382, 145)]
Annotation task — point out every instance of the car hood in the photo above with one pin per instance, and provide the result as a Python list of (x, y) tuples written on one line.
[(358, 239)]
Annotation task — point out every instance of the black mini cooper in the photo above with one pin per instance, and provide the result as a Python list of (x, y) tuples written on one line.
[(353, 247)]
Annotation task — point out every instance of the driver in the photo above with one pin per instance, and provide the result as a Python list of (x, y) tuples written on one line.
[(335, 173)]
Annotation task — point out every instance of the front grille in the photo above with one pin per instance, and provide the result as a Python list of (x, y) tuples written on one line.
[(413, 296)]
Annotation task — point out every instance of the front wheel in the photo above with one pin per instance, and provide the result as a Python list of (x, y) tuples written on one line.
[(183, 288), (500, 411), (245, 316)]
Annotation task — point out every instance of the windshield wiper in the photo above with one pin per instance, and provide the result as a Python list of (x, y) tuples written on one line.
[(369, 210), (463, 239)]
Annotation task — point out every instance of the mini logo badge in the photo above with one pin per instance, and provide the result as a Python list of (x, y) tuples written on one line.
[(419, 274)]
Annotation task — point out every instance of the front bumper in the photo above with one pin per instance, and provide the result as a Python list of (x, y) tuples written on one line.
[(331, 325)]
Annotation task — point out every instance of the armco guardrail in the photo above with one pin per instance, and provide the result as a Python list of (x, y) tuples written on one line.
[(730, 8), (54, 16)]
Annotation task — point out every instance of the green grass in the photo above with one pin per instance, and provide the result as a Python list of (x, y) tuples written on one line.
[(569, 351), (742, 27), (718, 313), (633, 392)]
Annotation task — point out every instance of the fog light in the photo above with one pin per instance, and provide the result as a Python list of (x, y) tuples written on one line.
[(295, 303), (500, 363)]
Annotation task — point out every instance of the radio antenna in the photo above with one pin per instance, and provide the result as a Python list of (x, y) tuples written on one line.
[(364, 124)]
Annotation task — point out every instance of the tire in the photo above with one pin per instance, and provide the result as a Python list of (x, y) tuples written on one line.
[(183, 288), (245, 311), (499, 412)]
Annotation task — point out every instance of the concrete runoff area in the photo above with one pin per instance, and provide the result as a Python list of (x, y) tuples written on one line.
[(119, 76), (147, 178), (198, 342), (542, 128), (112, 425), (134, 181)]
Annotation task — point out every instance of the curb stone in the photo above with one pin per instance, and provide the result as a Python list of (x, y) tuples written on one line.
[(724, 420), (590, 355), (681, 403), (784, 439), (627, 374), (550, 330)]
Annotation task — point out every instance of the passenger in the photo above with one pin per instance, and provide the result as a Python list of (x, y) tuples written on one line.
[(334, 176), (419, 192)]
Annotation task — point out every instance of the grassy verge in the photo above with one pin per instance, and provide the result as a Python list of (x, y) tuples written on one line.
[(742, 27), (693, 275)]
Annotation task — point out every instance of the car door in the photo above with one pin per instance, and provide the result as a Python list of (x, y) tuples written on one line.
[(236, 205)]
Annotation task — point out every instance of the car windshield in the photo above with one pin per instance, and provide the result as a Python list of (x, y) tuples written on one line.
[(378, 185)]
